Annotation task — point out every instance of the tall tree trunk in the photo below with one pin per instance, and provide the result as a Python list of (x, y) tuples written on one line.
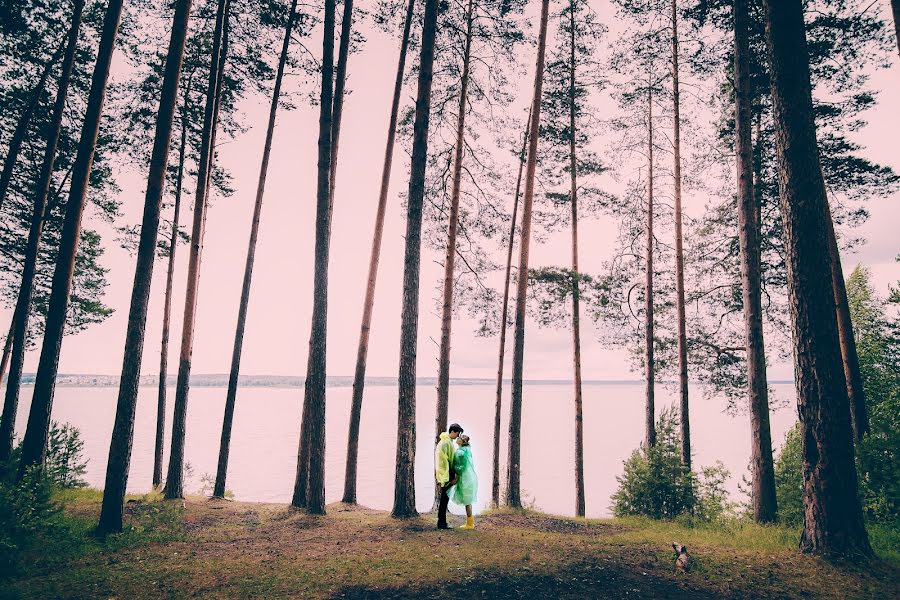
[(495, 475), (404, 480), (762, 493), (859, 418), (21, 130), (443, 383), (7, 350), (123, 428), (18, 332), (224, 446), (175, 477), (684, 420), (34, 443), (649, 316), (513, 489), (167, 307), (833, 521), (313, 427), (576, 316), (359, 375), (895, 8)]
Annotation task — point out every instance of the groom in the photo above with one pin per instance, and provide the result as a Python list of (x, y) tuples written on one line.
[(443, 469)]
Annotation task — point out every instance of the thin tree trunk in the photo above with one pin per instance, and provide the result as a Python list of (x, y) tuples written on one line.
[(895, 8), (684, 419), (495, 475), (404, 480), (762, 493), (649, 316), (443, 383), (859, 418), (175, 478), (224, 446), (359, 376), (513, 490), (167, 308), (123, 428), (313, 427), (7, 350), (34, 443), (21, 130), (833, 520)]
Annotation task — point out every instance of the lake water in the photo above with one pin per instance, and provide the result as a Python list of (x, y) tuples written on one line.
[(267, 425)]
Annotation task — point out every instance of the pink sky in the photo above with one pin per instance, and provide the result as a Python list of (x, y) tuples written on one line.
[(279, 317)]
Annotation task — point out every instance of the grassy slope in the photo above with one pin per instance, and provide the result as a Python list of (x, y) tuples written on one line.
[(216, 549)]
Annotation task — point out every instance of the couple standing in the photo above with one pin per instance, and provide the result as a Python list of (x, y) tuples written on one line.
[(454, 470)]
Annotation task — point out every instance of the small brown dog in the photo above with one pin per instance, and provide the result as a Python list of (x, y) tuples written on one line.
[(682, 560)]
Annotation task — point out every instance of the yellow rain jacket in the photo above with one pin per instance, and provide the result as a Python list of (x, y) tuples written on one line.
[(443, 459)]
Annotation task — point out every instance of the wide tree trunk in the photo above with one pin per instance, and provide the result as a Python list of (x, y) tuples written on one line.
[(833, 521), (649, 346), (231, 396), (123, 427), (576, 316), (359, 374), (34, 444), (175, 478), (21, 130), (513, 486), (404, 476), (443, 383), (495, 471), (14, 349), (684, 420), (167, 307), (762, 489), (313, 426)]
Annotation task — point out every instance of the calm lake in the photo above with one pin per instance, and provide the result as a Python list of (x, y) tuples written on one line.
[(267, 425)]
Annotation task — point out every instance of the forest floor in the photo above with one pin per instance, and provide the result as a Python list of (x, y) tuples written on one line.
[(216, 548)]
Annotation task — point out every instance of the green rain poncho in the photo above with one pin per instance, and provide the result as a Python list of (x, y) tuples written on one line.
[(443, 459), (466, 489)]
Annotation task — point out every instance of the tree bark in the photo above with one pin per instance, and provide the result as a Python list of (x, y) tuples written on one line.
[(495, 476), (7, 350), (231, 396), (513, 486), (338, 102), (34, 443), (14, 349), (404, 480), (762, 493), (649, 364), (443, 383), (833, 521), (895, 8), (123, 428), (359, 376), (576, 316), (684, 420), (313, 426), (175, 478)]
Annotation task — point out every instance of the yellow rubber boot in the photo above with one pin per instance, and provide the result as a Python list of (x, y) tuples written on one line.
[(470, 523)]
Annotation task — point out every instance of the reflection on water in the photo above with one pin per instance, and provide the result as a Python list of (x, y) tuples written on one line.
[(267, 424)]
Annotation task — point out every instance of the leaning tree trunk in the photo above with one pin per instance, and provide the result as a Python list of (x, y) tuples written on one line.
[(312, 437), (762, 494), (443, 382), (859, 418), (7, 350), (359, 375), (21, 130), (175, 477), (35, 442), (167, 307), (513, 489), (495, 475), (225, 444), (123, 428), (14, 349), (576, 316), (649, 363), (833, 520), (404, 480), (684, 420)]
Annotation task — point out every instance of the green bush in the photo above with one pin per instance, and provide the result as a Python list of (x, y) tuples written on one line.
[(65, 465), (789, 479), (27, 512)]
